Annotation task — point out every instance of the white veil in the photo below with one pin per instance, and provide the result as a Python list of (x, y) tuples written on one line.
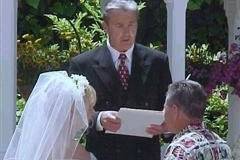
[(53, 120)]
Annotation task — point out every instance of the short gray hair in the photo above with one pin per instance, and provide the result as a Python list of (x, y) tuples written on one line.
[(118, 4), (189, 96)]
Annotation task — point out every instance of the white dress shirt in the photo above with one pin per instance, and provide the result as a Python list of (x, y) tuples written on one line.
[(115, 54)]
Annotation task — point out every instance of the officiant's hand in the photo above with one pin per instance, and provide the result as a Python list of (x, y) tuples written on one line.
[(110, 121), (155, 129)]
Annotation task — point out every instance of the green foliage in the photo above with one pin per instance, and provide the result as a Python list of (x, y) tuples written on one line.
[(60, 9), (141, 6), (33, 3), (153, 46), (207, 27), (216, 117), (35, 56), (199, 55), (20, 107), (196, 4), (206, 24), (64, 37), (199, 63), (69, 33)]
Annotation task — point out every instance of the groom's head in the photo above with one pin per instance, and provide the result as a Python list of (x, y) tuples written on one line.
[(185, 104)]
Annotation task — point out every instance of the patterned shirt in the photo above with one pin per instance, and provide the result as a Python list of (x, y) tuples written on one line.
[(197, 143)]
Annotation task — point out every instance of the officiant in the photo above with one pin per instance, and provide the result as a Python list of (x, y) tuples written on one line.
[(124, 74)]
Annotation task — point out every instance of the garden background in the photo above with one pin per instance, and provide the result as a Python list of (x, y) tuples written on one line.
[(50, 32)]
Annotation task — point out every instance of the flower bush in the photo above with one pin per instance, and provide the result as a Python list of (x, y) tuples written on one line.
[(199, 60), (213, 71), (225, 73)]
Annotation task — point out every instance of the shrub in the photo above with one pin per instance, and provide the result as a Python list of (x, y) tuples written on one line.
[(217, 112), (204, 67), (20, 107), (65, 36), (198, 62)]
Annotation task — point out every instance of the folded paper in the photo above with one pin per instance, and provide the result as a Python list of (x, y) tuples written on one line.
[(135, 121)]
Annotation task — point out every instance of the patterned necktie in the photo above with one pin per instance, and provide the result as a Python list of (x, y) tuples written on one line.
[(123, 71)]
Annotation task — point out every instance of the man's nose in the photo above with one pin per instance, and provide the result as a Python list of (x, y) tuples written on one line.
[(127, 31)]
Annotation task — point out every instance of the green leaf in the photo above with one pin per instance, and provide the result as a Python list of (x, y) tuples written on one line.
[(33, 3), (208, 1), (66, 10), (194, 4), (70, 10), (57, 8), (141, 6)]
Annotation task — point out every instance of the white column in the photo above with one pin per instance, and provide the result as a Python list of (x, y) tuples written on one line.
[(176, 37), (233, 119), (232, 13), (232, 8), (8, 32)]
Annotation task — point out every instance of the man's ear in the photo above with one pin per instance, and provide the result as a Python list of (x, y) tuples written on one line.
[(176, 111), (105, 26)]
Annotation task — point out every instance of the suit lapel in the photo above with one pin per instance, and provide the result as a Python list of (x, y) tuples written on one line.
[(140, 65), (139, 73), (105, 69)]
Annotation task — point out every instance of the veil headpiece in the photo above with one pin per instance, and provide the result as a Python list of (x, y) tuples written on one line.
[(53, 121)]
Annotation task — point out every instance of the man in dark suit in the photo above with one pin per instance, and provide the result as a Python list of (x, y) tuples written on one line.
[(124, 74)]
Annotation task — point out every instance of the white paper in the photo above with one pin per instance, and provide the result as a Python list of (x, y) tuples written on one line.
[(135, 121)]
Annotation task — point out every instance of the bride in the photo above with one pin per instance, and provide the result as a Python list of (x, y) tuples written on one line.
[(54, 119)]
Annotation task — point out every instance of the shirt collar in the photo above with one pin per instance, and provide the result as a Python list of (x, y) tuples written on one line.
[(190, 128), (115, 54)]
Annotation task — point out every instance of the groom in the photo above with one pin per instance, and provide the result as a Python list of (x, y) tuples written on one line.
[(124, 74)]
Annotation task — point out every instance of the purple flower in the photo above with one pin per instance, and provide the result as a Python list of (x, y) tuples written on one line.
[(219, 73)]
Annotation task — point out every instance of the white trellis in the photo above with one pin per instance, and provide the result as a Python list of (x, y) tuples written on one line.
[(232, 8), (8, 32), (176, 37)]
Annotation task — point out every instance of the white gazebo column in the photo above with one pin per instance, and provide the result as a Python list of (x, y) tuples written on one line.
[(176, 37), (232, 8), (8, 32)]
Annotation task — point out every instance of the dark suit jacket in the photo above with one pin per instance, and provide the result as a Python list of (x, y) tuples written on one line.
[(148, 82)]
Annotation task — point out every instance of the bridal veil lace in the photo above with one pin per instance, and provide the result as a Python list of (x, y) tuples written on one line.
[(53, 121)]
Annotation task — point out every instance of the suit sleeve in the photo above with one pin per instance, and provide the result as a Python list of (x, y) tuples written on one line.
[(168, 73), (166, 80), (74, 67)]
